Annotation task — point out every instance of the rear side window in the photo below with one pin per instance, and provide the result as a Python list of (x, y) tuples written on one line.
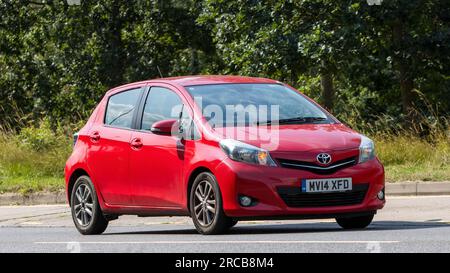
[(121, 108), (161, 104)]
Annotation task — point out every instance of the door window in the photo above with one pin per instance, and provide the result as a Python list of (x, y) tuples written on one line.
[(121, 108), (161, 104)]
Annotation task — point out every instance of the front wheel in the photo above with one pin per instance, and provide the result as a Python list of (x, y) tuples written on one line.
[(359, 222), (86, 212), (206, 206)]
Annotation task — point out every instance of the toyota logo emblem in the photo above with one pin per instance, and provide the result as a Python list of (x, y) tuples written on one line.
[(324, 158)]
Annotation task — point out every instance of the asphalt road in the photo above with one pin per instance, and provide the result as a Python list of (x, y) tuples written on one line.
[(407, 224)]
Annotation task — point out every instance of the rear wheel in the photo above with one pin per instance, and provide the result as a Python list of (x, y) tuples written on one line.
[(206, 206), (359, 222), (86, 212)]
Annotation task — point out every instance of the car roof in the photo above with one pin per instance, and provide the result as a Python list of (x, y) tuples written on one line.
[(213, 79), (197, 80)]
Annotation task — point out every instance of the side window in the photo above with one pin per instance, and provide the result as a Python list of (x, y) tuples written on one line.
[(120, 109), (161, 104)]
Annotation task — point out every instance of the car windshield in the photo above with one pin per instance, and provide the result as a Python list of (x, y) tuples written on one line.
[(226, 105)]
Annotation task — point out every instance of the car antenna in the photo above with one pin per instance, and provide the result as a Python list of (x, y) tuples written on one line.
[(160, 74)]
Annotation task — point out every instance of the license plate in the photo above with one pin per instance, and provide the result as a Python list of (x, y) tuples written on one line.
[(327, 185)]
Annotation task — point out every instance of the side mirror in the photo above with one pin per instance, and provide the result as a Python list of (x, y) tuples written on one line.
[(167, 127)]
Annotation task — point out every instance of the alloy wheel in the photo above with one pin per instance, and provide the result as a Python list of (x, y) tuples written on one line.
[(205, 203), (83, 205)]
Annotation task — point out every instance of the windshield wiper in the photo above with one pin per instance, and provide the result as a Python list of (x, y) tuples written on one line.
[(296, 120)]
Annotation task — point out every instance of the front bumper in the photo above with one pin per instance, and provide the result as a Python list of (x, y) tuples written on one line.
[(262, 183)]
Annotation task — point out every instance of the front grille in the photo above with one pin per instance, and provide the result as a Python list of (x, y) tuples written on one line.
[(294, 197), (315, 168)]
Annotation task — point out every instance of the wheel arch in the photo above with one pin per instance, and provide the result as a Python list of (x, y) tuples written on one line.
[(191, 180), (73, 178)]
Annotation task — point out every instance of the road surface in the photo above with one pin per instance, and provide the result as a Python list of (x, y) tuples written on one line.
[(406, 224)]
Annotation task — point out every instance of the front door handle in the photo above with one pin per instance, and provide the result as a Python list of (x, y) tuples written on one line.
[(95, 136), (136, 144)]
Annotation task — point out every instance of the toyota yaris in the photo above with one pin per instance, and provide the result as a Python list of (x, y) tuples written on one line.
[(219, 149)]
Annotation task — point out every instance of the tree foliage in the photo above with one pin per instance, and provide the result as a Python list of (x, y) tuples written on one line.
[(360, 61)]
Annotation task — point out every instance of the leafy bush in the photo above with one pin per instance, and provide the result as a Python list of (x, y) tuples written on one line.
[(34, 158), (41, 138)]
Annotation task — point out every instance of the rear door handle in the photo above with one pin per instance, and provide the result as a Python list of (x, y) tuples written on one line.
[(136, 144), (95, 136)]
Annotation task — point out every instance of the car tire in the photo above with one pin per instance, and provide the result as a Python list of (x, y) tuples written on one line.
[(359, 222), (86, 212), (206, 206)]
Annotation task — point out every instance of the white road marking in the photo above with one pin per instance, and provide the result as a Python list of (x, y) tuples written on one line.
[(228, 242)]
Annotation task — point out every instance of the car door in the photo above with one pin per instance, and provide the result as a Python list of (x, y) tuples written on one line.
[(156, 166), (109, 151)]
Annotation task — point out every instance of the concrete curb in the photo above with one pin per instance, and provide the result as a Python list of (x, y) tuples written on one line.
[(418, 188), (39, 198), (392, 189)]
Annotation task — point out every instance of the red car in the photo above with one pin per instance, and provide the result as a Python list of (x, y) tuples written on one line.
[(219, 149)]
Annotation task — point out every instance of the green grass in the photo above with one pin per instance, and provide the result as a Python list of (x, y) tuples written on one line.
[(34, 159), (424, 172), (409, 158), (26, 185)]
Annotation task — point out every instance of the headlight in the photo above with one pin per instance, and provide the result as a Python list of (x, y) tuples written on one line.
[(244, 152), (366, 149)]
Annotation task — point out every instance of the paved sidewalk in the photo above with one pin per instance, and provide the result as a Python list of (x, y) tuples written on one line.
[(418, 188)]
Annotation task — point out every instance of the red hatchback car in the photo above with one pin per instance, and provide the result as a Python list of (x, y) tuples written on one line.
[(219, 149)]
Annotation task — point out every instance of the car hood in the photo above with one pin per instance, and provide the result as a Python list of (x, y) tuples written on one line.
[(294, 138)]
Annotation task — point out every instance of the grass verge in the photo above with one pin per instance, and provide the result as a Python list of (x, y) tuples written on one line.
[(410, 158), (33, 160), (25, 185)]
